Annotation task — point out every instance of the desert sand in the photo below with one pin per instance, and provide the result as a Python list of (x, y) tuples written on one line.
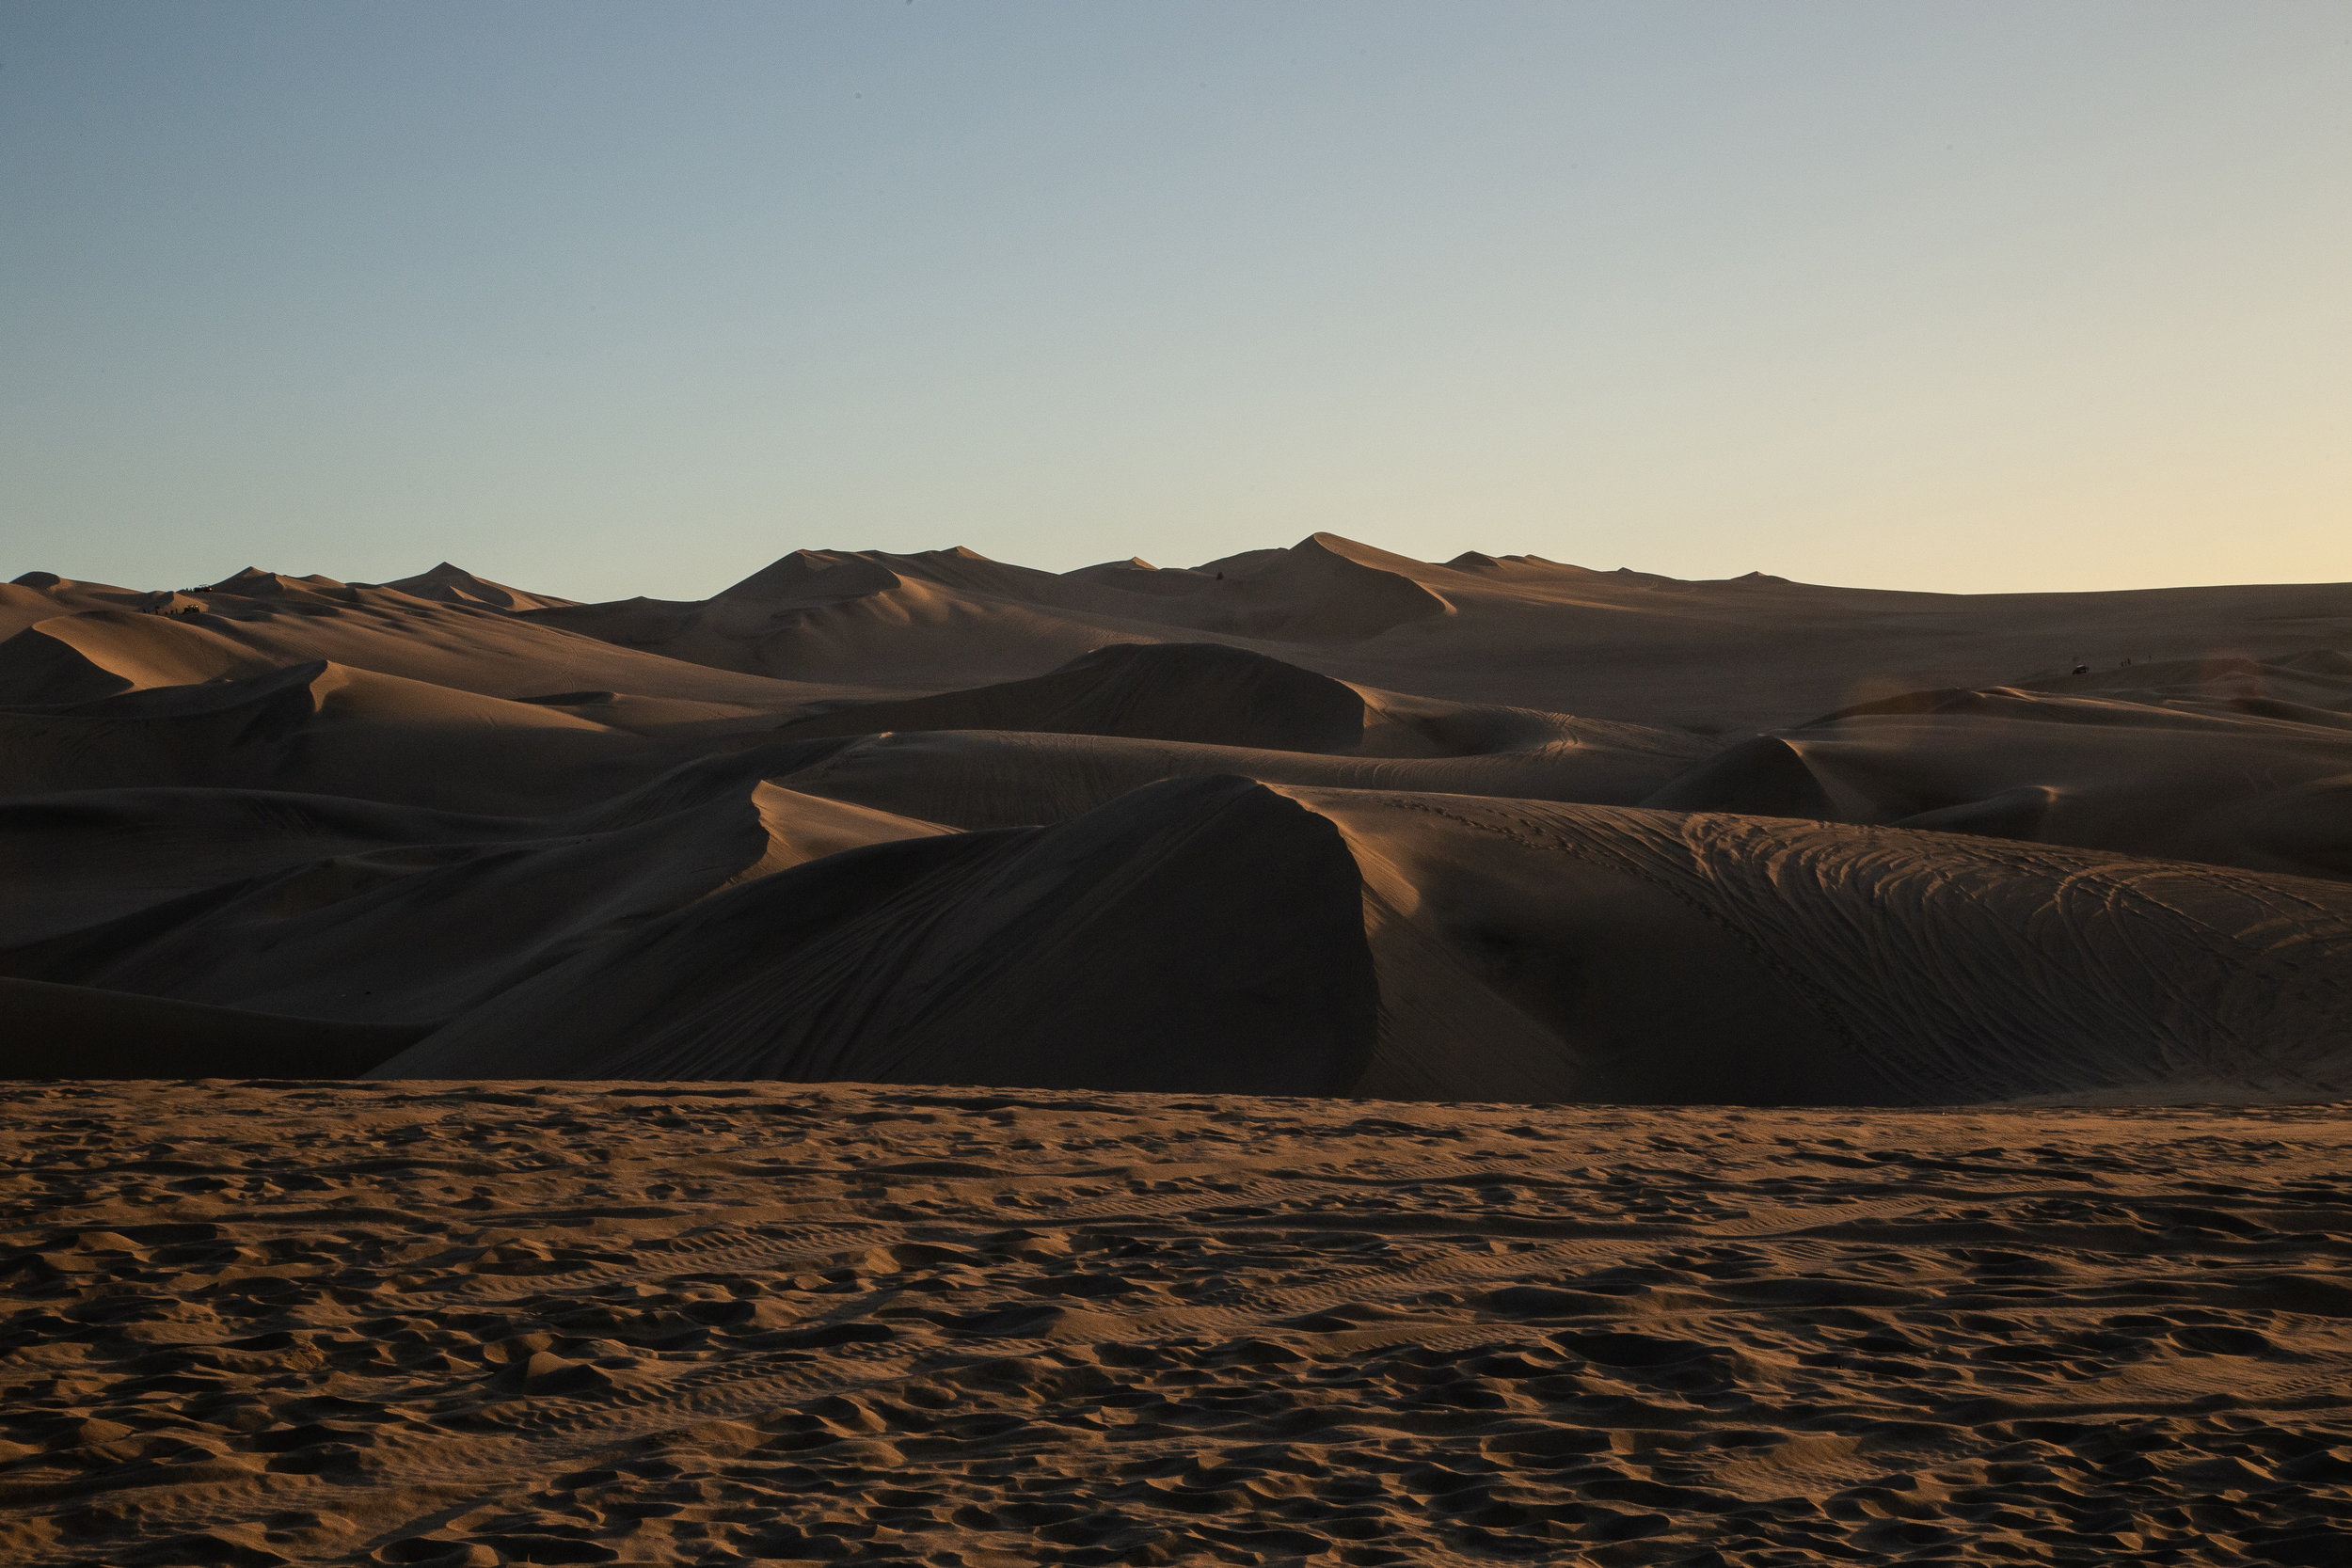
[(1316, 820), (720, 1324), (1316, 1056)]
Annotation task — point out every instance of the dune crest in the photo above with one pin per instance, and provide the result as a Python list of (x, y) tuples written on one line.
[(1008, 957), (450, 584), (1320, 819)]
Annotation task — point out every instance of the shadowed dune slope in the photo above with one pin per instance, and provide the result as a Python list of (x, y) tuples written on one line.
[(1192, 691), (2235, 782), (76, 859), (983, 778), (322, 728), (73, 1031), (294, 904), (2315, 684), (1119, 951), (1536, 950), (1518, 950)]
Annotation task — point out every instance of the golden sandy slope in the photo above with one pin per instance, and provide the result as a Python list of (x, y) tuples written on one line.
[(452, 1325), (1745, 653)]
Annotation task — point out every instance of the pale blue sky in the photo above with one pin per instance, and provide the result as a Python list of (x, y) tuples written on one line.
[(605, 299)]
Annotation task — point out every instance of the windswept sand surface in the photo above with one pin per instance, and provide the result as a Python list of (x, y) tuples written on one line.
[(472, 1324)]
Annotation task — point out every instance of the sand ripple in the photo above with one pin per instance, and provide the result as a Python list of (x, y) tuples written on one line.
[(425, 1324)]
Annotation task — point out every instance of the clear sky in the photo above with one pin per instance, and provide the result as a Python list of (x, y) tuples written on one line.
[(602, 298)]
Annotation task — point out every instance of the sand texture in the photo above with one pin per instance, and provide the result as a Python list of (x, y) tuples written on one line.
[(1489, 1061), (1315, 820), (264, 1322)]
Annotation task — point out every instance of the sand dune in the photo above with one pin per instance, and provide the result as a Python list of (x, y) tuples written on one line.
[(60, 1031), (848, 614), (982, 778), (1748, 653), (76, 653), (1015, 957), (1508, 949), (1311, 820), (324, 728), (1434, 1053), (1202, 693), (1642, 956), (38, 596), (314, 906), (455, 585), (2238, 762)]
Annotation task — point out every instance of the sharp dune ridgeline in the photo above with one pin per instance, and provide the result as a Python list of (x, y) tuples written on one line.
[(1320, 821)]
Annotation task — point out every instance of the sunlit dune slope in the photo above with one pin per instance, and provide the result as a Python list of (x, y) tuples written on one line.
[(1753, 652)]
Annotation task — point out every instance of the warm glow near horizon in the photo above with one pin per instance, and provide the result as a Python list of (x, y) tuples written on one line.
[(604, 298)]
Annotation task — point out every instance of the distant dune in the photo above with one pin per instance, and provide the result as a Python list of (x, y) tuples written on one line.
[(1319, 821)]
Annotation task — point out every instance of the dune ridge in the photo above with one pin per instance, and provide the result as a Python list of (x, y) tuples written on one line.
[(1322, 819)]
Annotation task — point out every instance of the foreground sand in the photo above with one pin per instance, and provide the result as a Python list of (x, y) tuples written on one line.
[(429, 1324)]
